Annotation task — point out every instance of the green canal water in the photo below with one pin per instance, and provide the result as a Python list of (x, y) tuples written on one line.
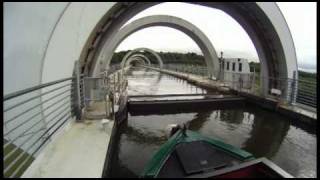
[(289, 144)]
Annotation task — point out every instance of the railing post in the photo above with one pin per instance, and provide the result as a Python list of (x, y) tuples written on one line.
[(294, 90), (77, 91)]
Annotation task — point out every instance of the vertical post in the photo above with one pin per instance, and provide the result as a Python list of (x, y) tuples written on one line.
[(294, 89), (253, 80), (120, 80), (114, 86), (107, 105), (83, 92), (77, 89)]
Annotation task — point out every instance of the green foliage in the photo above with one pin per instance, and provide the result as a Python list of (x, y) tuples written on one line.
[(305, 76)]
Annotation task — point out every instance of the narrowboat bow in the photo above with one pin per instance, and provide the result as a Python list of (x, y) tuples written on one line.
[(189, 154)]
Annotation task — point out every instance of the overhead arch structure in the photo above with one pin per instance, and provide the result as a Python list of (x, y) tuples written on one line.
[(79, 31), (131, 53), (141, 56), (263, 22), (135, 59), (211, 58)]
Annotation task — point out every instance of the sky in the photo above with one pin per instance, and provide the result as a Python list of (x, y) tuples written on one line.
[(224, 32)]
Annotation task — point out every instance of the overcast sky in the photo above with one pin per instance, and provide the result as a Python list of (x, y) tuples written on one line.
[(224, 32)]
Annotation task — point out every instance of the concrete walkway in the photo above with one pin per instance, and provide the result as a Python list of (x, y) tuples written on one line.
[(220, 86), (78, 152), (198, 80)]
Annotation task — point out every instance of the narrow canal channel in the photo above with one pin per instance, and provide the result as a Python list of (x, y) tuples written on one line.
[(150, 82), (261, 132)]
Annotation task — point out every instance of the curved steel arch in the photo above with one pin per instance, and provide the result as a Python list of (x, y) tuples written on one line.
[(125, 58), (263, 22), (143, 57), (186, 27), (130, 60)]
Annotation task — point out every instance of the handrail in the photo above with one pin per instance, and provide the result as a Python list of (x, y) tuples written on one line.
[(25, 91), (37, 105), (34, 97), (294, 90), (60, 105)]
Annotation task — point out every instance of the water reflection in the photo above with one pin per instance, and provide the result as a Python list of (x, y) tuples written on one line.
[(231, 117), (266, 136), (199, 120), (260, 132), (144, 137)]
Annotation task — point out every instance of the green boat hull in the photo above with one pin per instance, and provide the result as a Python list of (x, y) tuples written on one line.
[(154, 166)]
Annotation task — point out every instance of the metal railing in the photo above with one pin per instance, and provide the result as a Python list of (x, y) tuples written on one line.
[(113, 68), (105, 90), (192, 69), (95, 89), (32, 116), (292, 91), (307, 93)]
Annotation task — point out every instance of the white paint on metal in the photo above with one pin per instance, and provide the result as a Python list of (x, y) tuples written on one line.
[(138, 59), (125, 58), (23, 50), (141, 56), (276, 17), (188, 28)]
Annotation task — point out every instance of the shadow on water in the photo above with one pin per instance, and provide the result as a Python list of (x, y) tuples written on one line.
[(119, 165)]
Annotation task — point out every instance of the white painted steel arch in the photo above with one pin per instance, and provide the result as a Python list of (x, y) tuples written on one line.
[(125, 58), (188, 28), (135, 59), (141, 56), (263, 21)]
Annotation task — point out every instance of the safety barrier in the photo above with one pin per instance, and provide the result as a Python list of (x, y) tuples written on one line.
[(290, 91), (32, 116)]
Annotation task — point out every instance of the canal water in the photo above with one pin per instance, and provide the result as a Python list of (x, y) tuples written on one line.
[(289, 144)]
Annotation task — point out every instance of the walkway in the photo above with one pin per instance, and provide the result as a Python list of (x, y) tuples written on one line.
[(79, 151), (220, 86)]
